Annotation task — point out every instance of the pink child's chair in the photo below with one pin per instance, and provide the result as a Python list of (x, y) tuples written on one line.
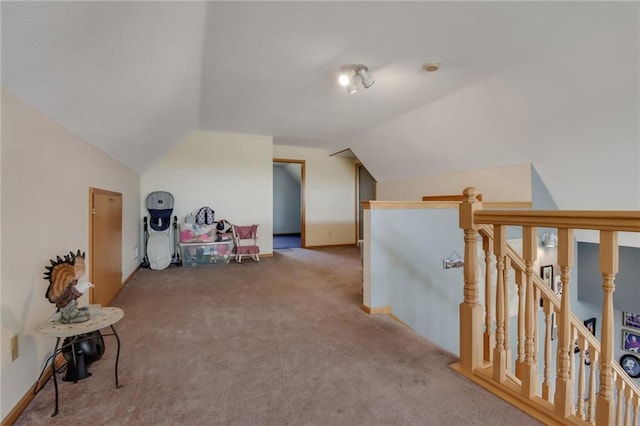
[(245, 240)]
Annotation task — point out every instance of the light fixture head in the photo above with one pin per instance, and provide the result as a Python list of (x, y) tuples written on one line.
[(352, 87), (367, 80), (344, 79), (352, 76), (431, 66), (550, 240)]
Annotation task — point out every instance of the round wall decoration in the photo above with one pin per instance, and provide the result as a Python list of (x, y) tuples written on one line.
[(631, 364)]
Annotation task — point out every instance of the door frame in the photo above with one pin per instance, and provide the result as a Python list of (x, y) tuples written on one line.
[(303, 163), (92, 192)]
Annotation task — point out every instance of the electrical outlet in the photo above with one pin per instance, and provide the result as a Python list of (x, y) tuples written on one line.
[(14, 347), (135, 253)]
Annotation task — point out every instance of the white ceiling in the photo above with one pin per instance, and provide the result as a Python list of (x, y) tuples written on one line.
[(519, 81)]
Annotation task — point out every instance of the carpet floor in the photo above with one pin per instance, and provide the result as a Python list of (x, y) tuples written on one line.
[(282, 341)]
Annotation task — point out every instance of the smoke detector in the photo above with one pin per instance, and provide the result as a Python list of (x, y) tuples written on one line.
[(431, 66)]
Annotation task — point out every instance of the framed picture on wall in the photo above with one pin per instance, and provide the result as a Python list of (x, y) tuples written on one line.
[(631, 365), (546, 272), (557, 285), (591, 325), (631, 320), (630, 341)]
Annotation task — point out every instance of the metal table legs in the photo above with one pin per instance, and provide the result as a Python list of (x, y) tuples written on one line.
[(114, 334), (53, 372), (57, 349)]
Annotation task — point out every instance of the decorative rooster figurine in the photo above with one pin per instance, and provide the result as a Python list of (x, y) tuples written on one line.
[(63, 275)]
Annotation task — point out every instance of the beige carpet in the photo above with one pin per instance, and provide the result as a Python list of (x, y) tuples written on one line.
[(280, 342)]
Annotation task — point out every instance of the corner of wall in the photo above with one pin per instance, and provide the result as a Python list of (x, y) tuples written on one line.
[(540, 195)]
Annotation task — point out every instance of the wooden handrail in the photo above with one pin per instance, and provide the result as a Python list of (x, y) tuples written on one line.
[(612, 220), (407, 205), (382, 205), (453, 197)]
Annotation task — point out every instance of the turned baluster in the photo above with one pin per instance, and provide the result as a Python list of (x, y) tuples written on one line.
[(499, 353), (537, 296), (530, 367), (471, 312), (628, 405), (489, 337), (593, 371), (581, 410), (564, 384), (605, 409), (620, 397), (507, 314), (548, 333), (521, 299)]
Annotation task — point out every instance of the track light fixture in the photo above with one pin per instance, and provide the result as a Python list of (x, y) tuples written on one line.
[(352, 76), (550, 240)]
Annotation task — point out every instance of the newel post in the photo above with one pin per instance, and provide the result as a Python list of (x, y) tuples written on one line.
[(471, 312), (605, 405)]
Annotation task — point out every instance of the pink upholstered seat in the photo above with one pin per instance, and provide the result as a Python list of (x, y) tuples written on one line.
[(245, 240)]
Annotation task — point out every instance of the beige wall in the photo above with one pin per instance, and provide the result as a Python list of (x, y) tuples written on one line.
[(329, 195), (46, 175), (507, 183), (231, 173)]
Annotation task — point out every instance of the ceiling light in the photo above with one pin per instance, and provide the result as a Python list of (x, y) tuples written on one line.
[(354, 76), (431, 67), (550, 240), (344, 79)]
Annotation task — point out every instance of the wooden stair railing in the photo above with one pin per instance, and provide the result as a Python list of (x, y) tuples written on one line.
[(586, 386)]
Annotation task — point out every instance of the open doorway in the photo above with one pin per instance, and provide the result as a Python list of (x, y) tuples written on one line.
[(288, 204)]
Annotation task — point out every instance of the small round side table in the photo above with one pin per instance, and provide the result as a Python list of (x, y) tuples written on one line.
[(100, 318)]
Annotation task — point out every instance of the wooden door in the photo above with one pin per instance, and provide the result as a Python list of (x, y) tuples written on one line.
[(105, 252)]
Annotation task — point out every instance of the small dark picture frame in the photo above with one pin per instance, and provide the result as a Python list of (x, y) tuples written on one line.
[(630, 341), (591, 325), (546, 272), (631, 320), (631, 365)]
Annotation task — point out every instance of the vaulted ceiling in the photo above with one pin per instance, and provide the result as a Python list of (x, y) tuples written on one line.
[(552, 83)]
